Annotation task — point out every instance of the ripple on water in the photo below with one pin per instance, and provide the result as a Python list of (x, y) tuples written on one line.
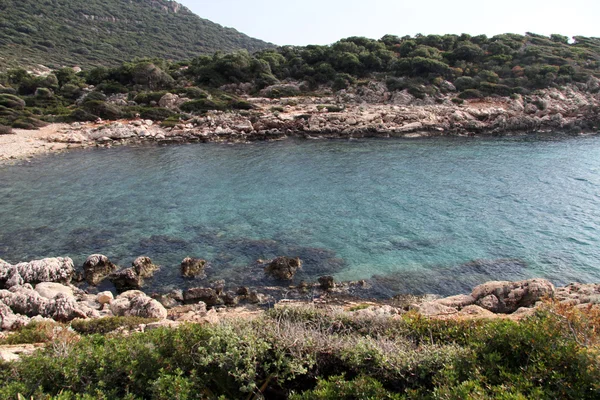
[(414, 214)]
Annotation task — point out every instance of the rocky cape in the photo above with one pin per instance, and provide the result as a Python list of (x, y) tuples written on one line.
[(44, 290)]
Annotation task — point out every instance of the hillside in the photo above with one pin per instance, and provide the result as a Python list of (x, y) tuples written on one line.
[(95, 32)]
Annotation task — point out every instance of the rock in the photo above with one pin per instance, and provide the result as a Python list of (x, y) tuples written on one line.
[(143, 267), (507, 297), (230, 299), (190, 312), (23, 300), (432, 308), (255, 298), (283, 268), (126, 279), (59, 270), (105, 297), (243, 291), (327, 282), (206, 295), (169, 100), (474, 311), (9, 321), (459, 301), (96, 268), (65, 309), (51, 290), (134, 303), (192, 267)]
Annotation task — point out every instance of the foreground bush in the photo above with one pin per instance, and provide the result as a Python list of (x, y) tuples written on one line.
[(306, 353)]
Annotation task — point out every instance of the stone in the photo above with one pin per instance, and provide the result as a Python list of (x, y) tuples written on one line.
[(283, 268), (192, 267), (230, 299), (432, 308), (507, 297), (96, 268), (475, 311), (51, 290), (458, 301), (134, 303), (105, 297), (327, 282), (169, 101), (126, 279), (144, 267), (10, 321), (190, 312), (243, 291), (60, 270), (206, 295)]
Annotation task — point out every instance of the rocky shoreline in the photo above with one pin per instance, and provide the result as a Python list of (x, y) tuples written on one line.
[(366, 111), (54, 289)]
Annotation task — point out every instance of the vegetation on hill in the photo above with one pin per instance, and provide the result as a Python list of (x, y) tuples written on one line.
[(308, 353), (93, 32), (433, 66)]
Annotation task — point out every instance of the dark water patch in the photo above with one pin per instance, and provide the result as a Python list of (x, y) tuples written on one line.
[(443, 280)]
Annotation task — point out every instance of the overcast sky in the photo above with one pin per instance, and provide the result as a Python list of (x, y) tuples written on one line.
[(325, 21)]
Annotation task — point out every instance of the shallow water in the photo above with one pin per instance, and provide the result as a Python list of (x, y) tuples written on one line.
[(420, 216)]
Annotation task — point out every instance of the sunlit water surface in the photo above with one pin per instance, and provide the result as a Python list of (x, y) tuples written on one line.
[(418, 216)]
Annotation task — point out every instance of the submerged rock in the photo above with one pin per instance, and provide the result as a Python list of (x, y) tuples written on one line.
[(59, 270), (96, 268), (283, 268), (192, 267)]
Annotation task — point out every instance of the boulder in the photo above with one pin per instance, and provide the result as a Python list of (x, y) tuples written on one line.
[(508, 297), (432, 308), (126, 279), (327, 282), (458, 301), (96, 268), (283, 268), (105, 297), (192, 267), (206, 295), (50, 290), (134, 303), (24, 300), (59, 270), (64, 308), (9, 321), (169, 100), (144, 267)]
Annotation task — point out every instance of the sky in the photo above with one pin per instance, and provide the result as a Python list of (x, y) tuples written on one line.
[(324, 22)]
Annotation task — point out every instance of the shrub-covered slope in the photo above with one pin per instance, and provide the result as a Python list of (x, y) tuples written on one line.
[(94, 32)]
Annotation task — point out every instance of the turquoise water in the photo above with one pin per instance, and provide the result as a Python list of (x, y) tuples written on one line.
[(418, 216)]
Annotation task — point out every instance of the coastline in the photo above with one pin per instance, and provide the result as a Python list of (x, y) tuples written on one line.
[(345, 116)]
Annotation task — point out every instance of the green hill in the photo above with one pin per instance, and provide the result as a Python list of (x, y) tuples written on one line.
[(107, 32)]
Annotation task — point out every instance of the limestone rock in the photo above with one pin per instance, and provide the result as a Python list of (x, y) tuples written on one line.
[(206, 295), (507, 297), (458, 301), (9, 321), (144, 267), (432, 308), (96, 268), (105, 297), (283, 268), (50, 290), (169, 100), (126, 279), (134, 303), (192, 267), (59, 270)]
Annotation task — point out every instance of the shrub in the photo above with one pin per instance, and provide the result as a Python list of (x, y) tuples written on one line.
[(108, 324), (5, 130), (470, 94), (157, 113), (11, 101), (34, 332), (465, 82), (28, 123), (102, 109), (202, 105), (94, 96), (337, 387), (81, 115), (148, 97), (44, 93), (193, 92), (111, 87)]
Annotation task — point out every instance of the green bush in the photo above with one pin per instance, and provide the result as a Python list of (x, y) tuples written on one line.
[(202, 105), (338, 388), (148, 97), (11, 101), (470, 94), (108, 324), (102, 109), (157, 113), (94, 96), (5, 130)]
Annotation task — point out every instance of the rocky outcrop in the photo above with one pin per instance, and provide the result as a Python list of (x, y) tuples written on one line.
[(47, 270), (133, 277), (137, 304), (327, 282), (508, 297), (96, 268), (192, 267), (208, 296), (283, 268)]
